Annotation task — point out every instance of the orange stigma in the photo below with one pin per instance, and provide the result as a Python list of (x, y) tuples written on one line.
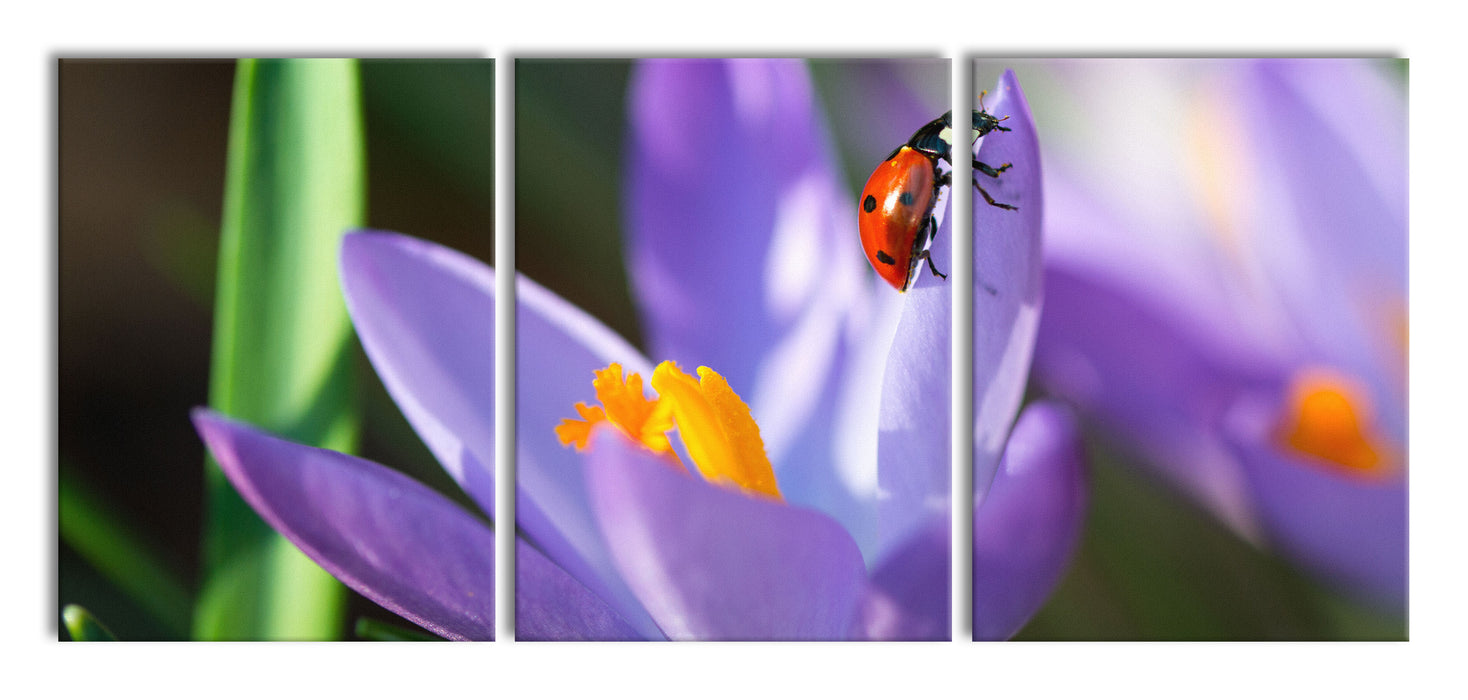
[(645, 421), (1329, 418), (720, 435)]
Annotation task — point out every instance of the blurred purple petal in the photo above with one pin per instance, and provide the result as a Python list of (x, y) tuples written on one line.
[(721, 155), (552, 606), (743, 252), (1158, 378), (1338, 243), (1007, 273), (559, 348), (425, 315), (908, 595), (388, 537), (1028, 525), (716, 564), (1352, 530)]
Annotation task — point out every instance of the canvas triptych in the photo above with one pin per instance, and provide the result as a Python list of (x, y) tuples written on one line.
[(732, 349)]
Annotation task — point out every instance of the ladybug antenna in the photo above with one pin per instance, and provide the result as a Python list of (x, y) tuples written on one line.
[(982, 108)]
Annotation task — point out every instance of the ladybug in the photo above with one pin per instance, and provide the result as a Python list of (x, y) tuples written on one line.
[(895, 213)]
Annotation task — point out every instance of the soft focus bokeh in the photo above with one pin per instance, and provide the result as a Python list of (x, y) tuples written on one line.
[(141, 183), (1224, 238)]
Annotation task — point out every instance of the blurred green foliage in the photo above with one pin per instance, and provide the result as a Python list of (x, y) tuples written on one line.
[(83, 627)]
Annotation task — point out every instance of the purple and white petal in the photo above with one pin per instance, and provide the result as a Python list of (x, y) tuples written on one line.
[(1028, 525), (425, 314), (1158, 379), (743, 252), (559, 347), (732, 197), (914, 428), (1333, 174), (716, 564), (1007, 272), (388, 537)]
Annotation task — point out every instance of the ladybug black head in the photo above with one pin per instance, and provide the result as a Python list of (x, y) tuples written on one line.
[(985, 122)]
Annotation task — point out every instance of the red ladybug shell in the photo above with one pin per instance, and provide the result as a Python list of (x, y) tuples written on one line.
[(896, 202)]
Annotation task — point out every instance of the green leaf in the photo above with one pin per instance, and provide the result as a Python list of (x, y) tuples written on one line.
[(107, 543), (283, 344), (83, 627)]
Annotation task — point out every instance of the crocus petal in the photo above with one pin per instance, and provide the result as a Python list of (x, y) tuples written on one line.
[(425, 315), (1028, 525), (743, 250), (1350, 530), (1337, 233), (559, 349), (715, 564), (913, 439), (1158, 378), (720, 154), (1007, 273), (907, 597), (550, 605), (388, 537)]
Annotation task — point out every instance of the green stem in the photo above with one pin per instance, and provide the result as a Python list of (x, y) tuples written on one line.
[(283, 344)]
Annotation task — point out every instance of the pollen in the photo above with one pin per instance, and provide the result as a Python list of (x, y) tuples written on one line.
[(1329, 418), (714, 424), (622, 403), (721, 436)]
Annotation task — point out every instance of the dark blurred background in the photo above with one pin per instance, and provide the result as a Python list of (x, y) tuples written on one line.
[(141, 149)]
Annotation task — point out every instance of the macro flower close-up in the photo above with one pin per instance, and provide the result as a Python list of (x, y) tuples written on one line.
[(745, 350), (743, 258)]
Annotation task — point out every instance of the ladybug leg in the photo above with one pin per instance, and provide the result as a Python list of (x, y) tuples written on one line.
[(932, 235), (991, 201), (980, 167), (934, 268), (994, 173)]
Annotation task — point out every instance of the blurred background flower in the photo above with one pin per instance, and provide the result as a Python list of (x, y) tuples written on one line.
[(1226, 303)]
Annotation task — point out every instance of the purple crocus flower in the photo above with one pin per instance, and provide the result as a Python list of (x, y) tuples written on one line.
[(729, 170), (744, 257), (1226, 287)]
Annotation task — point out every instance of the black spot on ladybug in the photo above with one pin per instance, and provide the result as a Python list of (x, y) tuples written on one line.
[(882, 256), (906, 199), (869, 204)]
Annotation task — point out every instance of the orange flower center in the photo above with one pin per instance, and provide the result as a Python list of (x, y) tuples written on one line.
[(720, 435), (1329, 418)]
